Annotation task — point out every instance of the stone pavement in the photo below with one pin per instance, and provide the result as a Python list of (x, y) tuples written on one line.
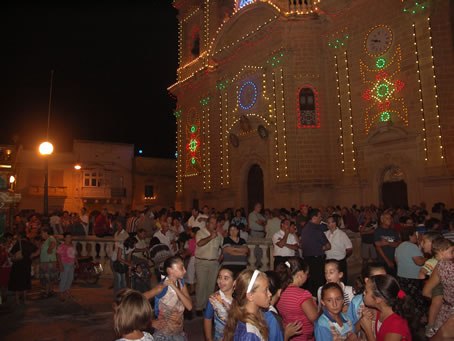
[(88, 317)]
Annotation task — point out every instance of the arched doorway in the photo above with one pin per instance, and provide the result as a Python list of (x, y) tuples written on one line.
[(394, 188), (255, 189)]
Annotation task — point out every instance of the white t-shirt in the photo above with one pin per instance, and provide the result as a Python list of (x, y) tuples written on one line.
[(85, 222), (283, 251), (198, 223), (165, 238), (123, 252), (339, 244)]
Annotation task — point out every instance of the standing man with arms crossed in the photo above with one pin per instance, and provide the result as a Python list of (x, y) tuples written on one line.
[(206, 262)]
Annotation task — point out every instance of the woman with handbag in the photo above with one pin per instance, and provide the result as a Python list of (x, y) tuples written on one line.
[(20, 278)]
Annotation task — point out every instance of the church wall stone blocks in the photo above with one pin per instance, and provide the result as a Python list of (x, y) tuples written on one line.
[(314, 101)]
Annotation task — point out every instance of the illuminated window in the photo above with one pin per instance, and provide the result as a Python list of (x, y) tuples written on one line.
[(93, 179)]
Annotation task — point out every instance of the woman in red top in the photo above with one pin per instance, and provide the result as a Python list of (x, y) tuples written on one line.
[(393, 310), (296, 304)]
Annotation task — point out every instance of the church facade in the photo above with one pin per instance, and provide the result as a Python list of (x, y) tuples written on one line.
[(314, 101)]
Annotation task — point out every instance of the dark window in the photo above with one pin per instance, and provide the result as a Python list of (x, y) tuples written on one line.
[(149, 191), (195, 47), (307, 101)]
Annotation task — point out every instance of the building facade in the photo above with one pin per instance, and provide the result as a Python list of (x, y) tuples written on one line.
[(314, 101), (107, 178), (9, 199)]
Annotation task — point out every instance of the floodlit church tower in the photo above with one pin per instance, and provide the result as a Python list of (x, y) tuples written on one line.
[(321, 102)]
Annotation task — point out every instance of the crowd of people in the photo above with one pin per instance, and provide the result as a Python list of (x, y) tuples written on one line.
[(177, 262)]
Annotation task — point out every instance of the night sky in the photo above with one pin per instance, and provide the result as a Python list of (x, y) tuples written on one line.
[(113, 62)]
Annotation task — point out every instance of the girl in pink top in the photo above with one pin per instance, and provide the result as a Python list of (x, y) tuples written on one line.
[(66, 255), (296, 304)]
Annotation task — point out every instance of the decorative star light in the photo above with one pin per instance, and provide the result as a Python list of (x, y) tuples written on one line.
[(382, 87)]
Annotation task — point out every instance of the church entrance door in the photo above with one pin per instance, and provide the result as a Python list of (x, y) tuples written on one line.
[(394, 188), (255, 188), (394, 194)]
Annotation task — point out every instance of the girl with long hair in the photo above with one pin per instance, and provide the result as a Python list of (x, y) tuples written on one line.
[(296, 304), (171, 299), (333, 325), (246, 321), (393, 310)]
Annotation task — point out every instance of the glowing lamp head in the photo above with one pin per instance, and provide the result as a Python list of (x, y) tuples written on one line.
[(12, 179), (77, 166), (46, 148)]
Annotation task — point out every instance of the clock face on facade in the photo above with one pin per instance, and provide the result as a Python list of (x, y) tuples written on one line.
[(247, 96), (378, 40)]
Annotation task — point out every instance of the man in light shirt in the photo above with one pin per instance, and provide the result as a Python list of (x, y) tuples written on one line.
[(84, 220), (341, 245), (206, 262), (257, 222), (273, 225), (285, 244)]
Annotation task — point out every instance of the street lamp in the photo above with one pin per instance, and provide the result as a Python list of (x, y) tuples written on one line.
[(46, 149)]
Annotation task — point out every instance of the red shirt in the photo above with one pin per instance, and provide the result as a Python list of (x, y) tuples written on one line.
[(290, 309), (101, 225), (393, 324)]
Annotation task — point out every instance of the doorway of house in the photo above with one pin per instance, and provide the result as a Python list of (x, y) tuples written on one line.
[(255, 187), (394, 194)]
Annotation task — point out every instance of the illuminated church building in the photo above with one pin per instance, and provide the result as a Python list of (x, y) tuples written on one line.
[(314, 101)]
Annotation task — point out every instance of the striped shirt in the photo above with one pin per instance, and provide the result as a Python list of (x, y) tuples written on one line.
[(290, 308), (131, 224)]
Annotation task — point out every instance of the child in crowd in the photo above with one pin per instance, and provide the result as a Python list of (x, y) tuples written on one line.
[(442, 274), (218, 306), (273, 319), (171, 298), (393, 310), (66, 256), (132, 315), (333, 324), (296, 304), (333, 274), (439, 248), (189, 252), (246, 321), (141, 278), (356, 309)]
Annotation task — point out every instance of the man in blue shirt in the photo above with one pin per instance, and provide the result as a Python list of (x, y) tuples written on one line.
[(314, 244), (386, 240)]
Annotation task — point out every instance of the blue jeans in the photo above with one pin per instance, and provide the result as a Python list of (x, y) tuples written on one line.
[(119, 280)]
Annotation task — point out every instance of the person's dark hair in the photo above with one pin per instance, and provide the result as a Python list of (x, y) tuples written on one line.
[(241, 226), (274, 281), (169, 262), (7, 235), (329, 286), (431, 235), (66, 234), (335, 262), (313, 213), (132, 311), (440, 244), (406, 233), (360, 283), (154, 241), (387, 288), (430, 224), (130, 242), (286, 273), (335, 218)]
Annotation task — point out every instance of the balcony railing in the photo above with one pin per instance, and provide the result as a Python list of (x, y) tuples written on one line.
[(55, 191), (96, 192), (88, 248)]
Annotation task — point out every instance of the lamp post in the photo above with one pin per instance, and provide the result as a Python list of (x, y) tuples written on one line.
[(46, 149)]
